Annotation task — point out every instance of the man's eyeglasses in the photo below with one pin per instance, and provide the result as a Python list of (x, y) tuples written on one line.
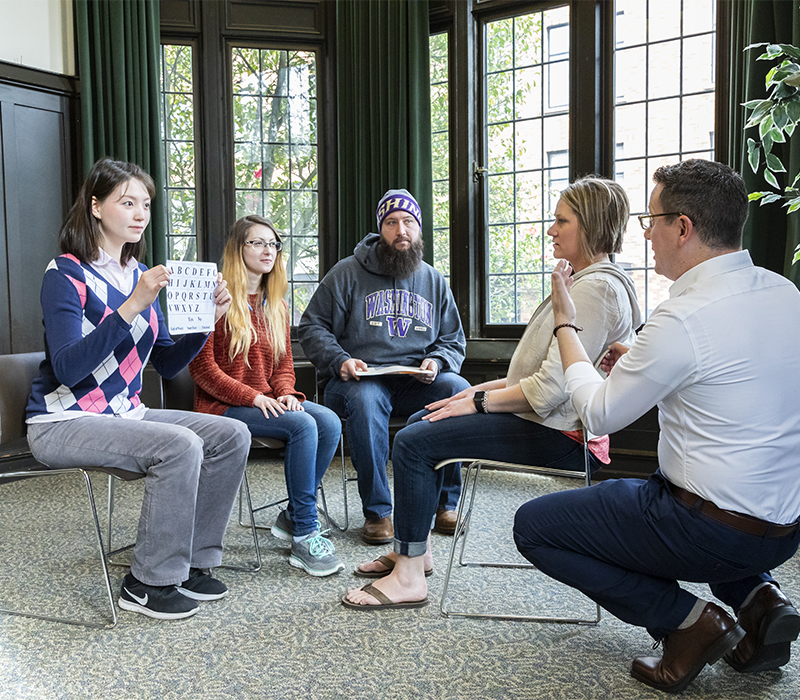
[(258, 244), (646, 220)]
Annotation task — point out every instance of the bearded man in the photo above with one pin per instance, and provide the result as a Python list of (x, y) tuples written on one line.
[(385, 306)]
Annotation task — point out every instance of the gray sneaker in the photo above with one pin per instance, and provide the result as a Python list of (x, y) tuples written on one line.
[(316, 555), (283, 528)]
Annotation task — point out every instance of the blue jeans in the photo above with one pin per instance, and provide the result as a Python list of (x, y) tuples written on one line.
[(311, 437), (421, 445), (626, 543), (367, 406), (192, 465)]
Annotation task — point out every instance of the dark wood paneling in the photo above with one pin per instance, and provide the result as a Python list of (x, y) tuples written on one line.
[(37, 158), (296, 18), (179, 15)]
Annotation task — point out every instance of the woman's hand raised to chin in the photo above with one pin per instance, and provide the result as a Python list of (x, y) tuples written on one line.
[(563, 306)]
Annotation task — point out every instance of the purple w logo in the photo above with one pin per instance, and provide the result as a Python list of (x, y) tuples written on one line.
[(398, 326)]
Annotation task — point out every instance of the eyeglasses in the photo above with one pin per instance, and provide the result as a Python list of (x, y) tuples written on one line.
[(258, 244), (646, 220)]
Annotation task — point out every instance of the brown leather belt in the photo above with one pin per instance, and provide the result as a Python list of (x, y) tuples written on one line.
[(738, 521)]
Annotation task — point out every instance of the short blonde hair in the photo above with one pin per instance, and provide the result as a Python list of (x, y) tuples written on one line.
[(602, 209)]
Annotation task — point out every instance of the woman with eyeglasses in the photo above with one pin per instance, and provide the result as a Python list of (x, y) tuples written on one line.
[(245, 371), (525, 418)]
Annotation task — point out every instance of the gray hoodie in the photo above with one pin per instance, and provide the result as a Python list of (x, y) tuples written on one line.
[(359, 312)]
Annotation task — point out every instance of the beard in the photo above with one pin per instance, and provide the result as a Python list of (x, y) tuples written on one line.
[(399, 263)]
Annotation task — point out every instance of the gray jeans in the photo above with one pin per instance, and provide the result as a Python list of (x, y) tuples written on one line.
[(192, 464)]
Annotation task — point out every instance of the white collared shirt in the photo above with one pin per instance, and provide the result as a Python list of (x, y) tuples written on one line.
[(111, 270), (720, 359)]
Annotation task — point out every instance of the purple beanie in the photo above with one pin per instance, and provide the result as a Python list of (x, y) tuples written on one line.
[(397, 200)]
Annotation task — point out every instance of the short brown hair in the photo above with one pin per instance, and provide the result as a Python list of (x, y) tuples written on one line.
[(603, 210), (711, 194)]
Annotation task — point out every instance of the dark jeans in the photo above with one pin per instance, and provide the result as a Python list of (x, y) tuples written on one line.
[(626, 543), (421, 445), (367, 405)]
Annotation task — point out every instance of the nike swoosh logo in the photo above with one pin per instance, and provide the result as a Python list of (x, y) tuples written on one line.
[(141, 601)]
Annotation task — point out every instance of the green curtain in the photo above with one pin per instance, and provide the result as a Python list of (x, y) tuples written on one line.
[(118, 43), (383, 112), (770, 235)]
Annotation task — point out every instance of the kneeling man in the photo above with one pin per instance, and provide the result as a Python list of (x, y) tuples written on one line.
[(718, 358)]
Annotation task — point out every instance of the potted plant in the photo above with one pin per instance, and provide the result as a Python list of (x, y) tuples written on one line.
[(776, 118)]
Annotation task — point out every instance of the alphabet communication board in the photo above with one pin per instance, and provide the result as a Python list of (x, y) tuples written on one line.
[(190, 297)]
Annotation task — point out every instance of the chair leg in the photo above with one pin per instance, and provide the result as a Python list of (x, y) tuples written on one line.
[(345, 479), (245, 488), (470, 481), (110, 553), (102, 557)]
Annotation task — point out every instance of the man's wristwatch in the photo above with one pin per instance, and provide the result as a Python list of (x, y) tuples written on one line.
[(481, 400)]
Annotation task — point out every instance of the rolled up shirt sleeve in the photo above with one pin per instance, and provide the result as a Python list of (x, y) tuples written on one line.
[(660, 362)]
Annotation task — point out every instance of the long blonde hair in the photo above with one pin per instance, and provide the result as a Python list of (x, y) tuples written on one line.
[(270, 307)]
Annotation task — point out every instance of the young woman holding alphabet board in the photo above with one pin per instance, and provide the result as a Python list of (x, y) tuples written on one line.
[(245, 371), (102, 323)]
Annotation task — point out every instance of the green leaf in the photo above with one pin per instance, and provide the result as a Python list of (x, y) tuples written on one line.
[(790, 129), (794, 205), (755, 196), (766, 144), (766, 125), (780, 116), (796, 256), (794, 182), (782, 92), (793, 110), (751, 104), (755, 46), (793, 79), (777, 136), (790, 50), (762, 109), (769, 79), (753, 155), (773, 197), (774, 50), (774, 164), (770, 178)]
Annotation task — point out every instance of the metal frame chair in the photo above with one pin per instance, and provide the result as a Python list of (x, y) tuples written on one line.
[(471, 477), (178, 393), (395, 424), (16, 462)]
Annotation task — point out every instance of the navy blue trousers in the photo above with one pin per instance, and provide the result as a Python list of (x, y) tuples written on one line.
[(626, 543)]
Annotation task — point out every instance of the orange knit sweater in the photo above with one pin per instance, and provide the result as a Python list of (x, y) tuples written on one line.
[(221, 383)]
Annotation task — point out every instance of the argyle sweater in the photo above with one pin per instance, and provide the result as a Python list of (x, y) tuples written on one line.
[(93, 357)]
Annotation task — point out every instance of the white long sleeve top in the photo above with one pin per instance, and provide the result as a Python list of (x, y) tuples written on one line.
[(719, 358)]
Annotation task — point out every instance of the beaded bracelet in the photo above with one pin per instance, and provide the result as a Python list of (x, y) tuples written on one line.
[(566, 325)]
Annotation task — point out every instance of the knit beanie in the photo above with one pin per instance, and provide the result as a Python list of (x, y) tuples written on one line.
[(395, 200)]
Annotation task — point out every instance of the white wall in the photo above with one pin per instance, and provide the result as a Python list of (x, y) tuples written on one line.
[(38, 34)]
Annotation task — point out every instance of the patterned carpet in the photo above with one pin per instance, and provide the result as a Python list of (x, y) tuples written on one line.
[(283, 634)]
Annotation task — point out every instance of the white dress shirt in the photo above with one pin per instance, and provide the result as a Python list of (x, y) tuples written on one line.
[(720, 359)]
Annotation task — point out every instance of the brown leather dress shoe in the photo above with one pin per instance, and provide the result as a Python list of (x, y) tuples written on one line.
[(771, 624), (445, 522), (378, 531), (687, 651)]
